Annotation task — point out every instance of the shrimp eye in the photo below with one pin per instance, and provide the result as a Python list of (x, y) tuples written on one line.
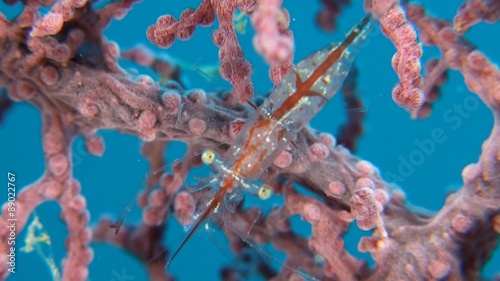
[(264, 192), (208, 156)]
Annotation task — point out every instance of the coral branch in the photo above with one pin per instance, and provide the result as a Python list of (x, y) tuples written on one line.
[(273, 40), (326, 18), (352, 129), (474, 11), (406, 61), (62, 63), (233, 66)]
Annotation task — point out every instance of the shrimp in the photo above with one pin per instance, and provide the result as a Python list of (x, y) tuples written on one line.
[(274, 124)]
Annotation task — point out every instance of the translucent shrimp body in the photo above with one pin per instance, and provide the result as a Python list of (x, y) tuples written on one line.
[(291, 105)]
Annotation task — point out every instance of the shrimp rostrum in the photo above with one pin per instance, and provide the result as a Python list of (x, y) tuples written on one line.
[(291, 105)]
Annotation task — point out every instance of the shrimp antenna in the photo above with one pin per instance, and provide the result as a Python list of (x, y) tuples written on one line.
[(245, 238), (214, 203), (121, 218), (119, 222)]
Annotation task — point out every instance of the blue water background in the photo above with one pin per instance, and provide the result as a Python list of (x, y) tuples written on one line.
[(110, 181)]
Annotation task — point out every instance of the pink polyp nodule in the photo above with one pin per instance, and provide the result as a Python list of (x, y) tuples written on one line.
[(88, 108), (438, 268), (157, 198), (336, 188), (149, 216), (53, 142), (407, 97), (197, 126), (171, 100), (78, 203), (147, 120), (184, 206), (86, 256), (49, 75), (365, 168), (461, 223), (95, 145), (24, 91), (197, 96), (283, 160), (320, 150), (365, 182), (470, 173), (58, 164), (363, 205), (79, 272), (147, 134), (312, 213), (381, 196), (51, 189), (327, 139)]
